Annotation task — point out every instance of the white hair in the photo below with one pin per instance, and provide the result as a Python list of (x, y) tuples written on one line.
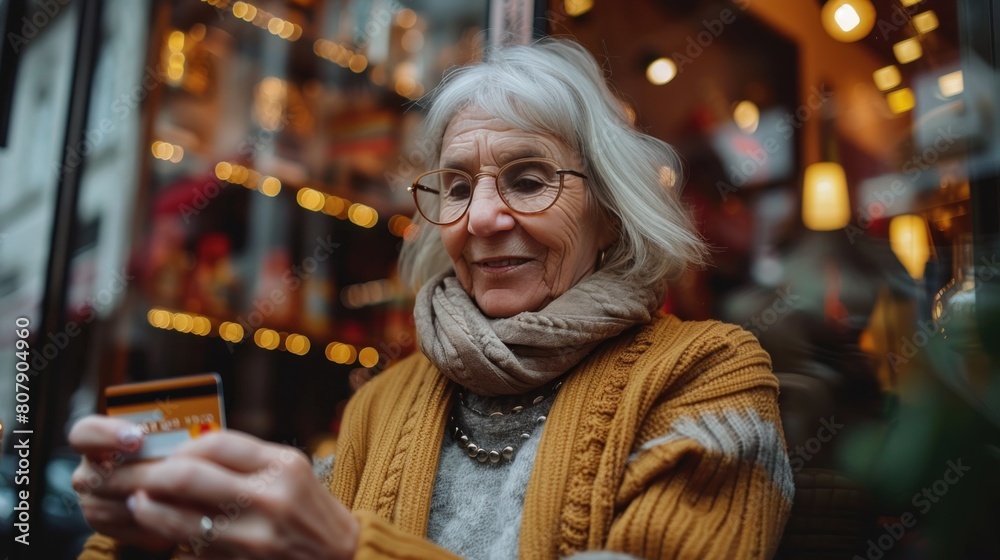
[(555, 86)]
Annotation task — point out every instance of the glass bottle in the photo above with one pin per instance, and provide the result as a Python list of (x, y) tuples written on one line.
[(954, 307)]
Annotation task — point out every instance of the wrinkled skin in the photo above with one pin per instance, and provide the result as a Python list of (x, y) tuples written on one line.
[(551, 251), (264, 499)]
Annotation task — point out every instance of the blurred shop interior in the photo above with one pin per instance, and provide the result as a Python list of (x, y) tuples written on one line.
[(199, 186)]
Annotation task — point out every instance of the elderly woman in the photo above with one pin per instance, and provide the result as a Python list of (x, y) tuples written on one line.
[(552, 409)]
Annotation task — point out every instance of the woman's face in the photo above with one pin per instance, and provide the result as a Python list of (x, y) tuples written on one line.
[(511, 262)]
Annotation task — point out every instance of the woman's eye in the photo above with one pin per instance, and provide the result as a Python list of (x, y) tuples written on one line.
[(458, 190), (527, 184)]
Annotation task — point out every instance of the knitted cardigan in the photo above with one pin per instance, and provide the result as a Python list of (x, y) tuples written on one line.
[(664, 443)]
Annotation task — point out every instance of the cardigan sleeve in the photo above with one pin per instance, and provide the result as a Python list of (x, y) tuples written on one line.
[(709, 477), (377, 539), (99, 547), (102, 547)]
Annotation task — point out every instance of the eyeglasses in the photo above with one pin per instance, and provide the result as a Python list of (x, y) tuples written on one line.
[(527, 186)]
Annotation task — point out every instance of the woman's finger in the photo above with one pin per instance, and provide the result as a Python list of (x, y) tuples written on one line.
[(108, 478), (240, 452), (189, 480), (112, 518), (98, 436), (106, 514), (170, 522), (197, 535)]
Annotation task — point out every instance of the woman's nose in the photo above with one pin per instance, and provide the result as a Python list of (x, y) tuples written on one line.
[(488, 214)]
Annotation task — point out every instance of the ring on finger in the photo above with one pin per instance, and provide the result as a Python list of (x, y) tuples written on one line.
[(206, 525)]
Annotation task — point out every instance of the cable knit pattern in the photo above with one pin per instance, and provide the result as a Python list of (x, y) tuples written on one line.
[(620, 466), (574, 523), (665, 442), (387, 498)]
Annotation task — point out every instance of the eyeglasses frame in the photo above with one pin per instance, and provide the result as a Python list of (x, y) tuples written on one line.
[(474, 180)]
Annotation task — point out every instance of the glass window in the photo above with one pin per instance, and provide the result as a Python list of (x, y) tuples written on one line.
[(835, 152)]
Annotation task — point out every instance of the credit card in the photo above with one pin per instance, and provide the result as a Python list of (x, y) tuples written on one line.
[(169, 411)]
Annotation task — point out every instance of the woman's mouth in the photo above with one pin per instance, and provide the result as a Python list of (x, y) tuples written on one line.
[(499, 266)]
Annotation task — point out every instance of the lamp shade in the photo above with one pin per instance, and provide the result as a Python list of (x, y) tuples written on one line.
[(908, 239), (825, 205)]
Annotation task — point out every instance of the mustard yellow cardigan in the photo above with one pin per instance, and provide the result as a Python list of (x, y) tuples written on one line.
[(664, 443)]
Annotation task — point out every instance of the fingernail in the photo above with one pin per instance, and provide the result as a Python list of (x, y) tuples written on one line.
[(130, 438), (130, 503)]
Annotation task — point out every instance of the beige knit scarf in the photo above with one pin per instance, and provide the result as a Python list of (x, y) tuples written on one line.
[(517, 354)]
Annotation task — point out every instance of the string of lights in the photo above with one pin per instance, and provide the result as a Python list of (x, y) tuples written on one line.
[(265, 338)]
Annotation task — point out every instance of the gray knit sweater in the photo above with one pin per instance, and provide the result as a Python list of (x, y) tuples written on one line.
[(476, 507)]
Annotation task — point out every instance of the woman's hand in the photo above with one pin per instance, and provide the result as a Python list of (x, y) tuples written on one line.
[(263, 500), (103, 442)]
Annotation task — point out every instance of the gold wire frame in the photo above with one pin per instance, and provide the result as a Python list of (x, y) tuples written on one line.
[(416, 186)]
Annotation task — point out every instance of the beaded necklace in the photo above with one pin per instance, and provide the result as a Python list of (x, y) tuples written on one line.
[(506, 453)]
